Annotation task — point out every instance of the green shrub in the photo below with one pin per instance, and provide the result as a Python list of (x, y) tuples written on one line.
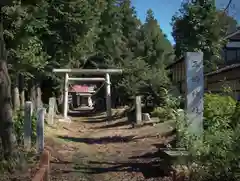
[(164, 113), (215, 154), (167, 112), (18, 121), (236, 115), (218, 109)]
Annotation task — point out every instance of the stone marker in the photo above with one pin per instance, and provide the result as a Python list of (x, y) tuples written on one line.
[(28, 125), (40, 129), (51, 110), (146, 117), (194, 91), (16, 97), (138, 106)]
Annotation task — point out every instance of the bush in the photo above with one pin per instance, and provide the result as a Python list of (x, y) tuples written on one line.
[(218, 109), (215, 154), (168, 111), (236, 115), (18, 121), (164, 113)]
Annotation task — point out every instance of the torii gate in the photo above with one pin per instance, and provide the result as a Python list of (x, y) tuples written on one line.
[(107, 73)]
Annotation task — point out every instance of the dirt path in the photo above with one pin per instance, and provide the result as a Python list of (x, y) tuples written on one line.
[(91, 150)]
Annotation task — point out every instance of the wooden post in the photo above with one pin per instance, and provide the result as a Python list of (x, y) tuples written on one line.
[(40, 129), (78, 100), (138, 106), (194, 91), (43, 174), (65, 101), (108, 97), (28, 125), (51, 110)]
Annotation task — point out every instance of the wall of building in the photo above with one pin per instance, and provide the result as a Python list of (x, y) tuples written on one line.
[(214, 83), (178, 72), (231, 79)]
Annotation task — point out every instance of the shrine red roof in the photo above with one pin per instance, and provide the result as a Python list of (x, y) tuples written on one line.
[(80, 88)]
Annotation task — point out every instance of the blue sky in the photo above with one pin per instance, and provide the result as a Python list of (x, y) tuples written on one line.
[(165, 9)]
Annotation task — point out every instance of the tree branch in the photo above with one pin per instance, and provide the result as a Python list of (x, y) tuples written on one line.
[(228, 5)]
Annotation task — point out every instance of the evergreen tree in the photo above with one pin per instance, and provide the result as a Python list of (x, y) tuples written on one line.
[(157, 49), (200, 27), (151, 50)]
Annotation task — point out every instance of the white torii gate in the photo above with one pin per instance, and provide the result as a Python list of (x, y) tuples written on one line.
[(107, 73)]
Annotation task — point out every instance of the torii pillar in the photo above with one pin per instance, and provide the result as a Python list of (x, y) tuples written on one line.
[(108, 97)]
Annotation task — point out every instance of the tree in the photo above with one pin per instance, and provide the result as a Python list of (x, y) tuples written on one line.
[(228, 23), (44, 35), (144, 63), (6, 123), (198, 27), (157, 48)]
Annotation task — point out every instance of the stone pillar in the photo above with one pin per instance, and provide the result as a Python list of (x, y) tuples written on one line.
[(65, 98), (194, 91), (51, 110), (28, 125), (40, 129), (138, 108), (108, 97)]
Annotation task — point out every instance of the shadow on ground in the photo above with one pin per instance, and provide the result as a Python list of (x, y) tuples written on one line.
[(102, 140), (84, 113), (102, 119), (109, 139), (151, 165), (116, 124)]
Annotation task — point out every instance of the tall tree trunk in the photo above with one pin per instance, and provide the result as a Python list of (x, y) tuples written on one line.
[(16, 96), (6, 119)]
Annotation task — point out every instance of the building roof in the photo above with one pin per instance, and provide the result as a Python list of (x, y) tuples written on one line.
[(233, 33), (81, 88), (175, 62), (224, 69)]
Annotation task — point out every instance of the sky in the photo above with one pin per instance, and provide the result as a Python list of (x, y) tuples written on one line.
[(165, 9), (163, 12)]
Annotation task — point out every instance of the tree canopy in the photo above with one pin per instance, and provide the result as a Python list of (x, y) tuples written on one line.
[(42, 35), (199, 26)]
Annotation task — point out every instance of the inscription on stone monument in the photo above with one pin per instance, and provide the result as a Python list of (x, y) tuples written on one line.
[(194, 91)]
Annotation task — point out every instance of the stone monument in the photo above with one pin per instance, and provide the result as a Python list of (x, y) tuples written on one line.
[(194, 91)]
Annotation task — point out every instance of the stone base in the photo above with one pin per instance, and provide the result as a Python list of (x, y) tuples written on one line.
[(66, 120), (146, 117), (175, 152)]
